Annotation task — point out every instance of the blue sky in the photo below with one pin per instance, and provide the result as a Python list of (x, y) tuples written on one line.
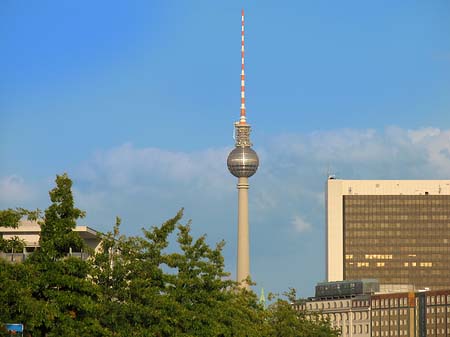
[(136, 101)]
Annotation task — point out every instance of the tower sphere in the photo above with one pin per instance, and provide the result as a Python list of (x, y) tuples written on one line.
[(242, 162)]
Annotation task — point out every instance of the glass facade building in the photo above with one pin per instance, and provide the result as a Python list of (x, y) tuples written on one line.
[(396, 231), (397, 239)]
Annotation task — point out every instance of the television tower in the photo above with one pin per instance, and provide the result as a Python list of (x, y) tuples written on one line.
[(242, 162)]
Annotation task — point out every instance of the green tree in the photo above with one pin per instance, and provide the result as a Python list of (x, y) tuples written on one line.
[(284, 321), (149, 291), (135, 286), (62, 296), (57, 235), (11, 218)]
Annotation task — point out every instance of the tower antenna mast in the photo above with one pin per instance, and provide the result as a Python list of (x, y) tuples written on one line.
[(243, 117)]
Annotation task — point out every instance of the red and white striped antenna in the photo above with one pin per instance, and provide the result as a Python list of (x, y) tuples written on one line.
[(242, 119)]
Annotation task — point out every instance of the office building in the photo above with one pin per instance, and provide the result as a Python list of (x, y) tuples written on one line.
[(412, 314), (345, 304), (395, 231), (359, 310), (30, 231), (349, 314), (393, 315)]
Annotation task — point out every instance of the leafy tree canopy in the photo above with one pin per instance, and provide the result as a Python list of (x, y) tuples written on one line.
[(134, 286)]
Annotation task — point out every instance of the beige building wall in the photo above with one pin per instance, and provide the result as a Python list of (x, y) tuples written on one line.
[(30, 231), (337, 188), (350, 315), (393, 315)]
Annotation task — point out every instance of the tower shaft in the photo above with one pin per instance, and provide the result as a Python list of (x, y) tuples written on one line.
[(243, 255)]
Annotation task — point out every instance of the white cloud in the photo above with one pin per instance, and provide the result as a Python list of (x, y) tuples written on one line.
[(14, 190), (300, 225), (419, 135), (147, 185), (291, 177), (127, 166)]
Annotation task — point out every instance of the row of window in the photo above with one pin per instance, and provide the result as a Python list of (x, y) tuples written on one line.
[(395, 208), (400, 332), (373, 198), (390, 323), (405, 245), (394, 302), (438, 299), (390, 302), (395, 217), (404, 217), (405, 264), (401, 312), (437, 309), (327, 305), (438, 331), (357, 328), (358, 226), (382, 200), (363, 315), (439, 320)]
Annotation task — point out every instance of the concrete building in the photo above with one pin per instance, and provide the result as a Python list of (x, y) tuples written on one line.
[(419, 314), (29, 232), (345, 304), (358, 310), (433, 313), (396, 231), (349, 314), (393, 315)]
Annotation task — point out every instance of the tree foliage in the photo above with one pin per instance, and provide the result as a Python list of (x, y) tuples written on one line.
[(10, 218), (285, 321), (134, 285), (57, 235)]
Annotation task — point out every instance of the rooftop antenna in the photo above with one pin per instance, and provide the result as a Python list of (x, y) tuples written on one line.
[(330, 174)]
